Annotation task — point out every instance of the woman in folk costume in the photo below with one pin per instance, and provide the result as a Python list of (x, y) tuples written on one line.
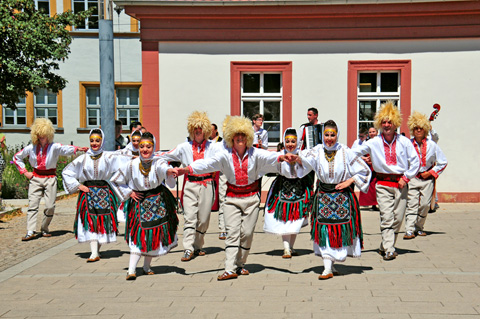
[(243, 165), (336, 222), (420, 188), (288, 200), (132, 150), (43, 156), (95, 220), (370, 198), (199, 191), (132, 146), (151, 225)]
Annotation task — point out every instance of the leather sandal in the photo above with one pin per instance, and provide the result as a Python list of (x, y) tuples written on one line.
[(46, 234), (29, 237), (199, 252), (242, 272), (227, 275), (148, 272), (131, 276), (92, 260), (187, 255), (326, 275)]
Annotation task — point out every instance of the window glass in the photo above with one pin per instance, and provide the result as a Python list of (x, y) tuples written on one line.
[(389, 82), (368, 82), (251, 83), (272, 83)]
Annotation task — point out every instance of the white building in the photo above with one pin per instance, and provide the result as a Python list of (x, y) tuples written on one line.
[(282, 57)]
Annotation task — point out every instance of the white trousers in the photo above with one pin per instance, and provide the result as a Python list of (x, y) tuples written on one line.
[(420, 194)]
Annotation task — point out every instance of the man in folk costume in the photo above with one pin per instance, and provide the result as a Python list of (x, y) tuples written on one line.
[(199, 191), (420, 188), (43, 156), (395, 161), (243, 165)]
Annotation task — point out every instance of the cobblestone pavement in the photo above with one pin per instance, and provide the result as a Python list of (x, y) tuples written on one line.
[(13, 228), (437, 276)]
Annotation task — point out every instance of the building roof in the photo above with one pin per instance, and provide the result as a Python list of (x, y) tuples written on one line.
[(265, 2)]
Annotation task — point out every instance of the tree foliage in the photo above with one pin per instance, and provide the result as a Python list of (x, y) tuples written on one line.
[(32, 46)]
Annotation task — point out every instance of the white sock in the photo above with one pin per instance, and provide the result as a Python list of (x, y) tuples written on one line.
[(146, 263), (133, 263), (94, 249), (327, 263), (286, 241), (99, 246)]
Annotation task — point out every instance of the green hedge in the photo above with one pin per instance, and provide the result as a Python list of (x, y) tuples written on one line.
[(14, 184)]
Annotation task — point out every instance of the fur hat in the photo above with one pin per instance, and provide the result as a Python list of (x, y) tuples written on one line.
[(388, 111), (234, 125), (418, 119), (199, 120), (42, 127)]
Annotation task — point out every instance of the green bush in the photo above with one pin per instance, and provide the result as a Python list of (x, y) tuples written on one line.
[(14, 184)]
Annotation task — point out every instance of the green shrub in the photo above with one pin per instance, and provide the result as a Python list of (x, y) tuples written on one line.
[(14, 184)]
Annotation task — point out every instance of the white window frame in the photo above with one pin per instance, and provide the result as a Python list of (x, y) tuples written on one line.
[(377, 96), (262, 97), (45, 107), (20, 105), (128, 107), (85, 7), (95, 106)]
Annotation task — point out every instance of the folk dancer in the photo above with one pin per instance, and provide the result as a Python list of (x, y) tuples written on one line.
[(336, 221), (221, 187), (151, 226), (243, 165), (43, 156), (288, 200), (199, 190), (370, 198), (131, 150), (420, 188), (395, 161), (97, 204)]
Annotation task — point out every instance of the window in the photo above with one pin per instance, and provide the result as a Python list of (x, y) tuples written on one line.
[(371, 83), (128, 103), (90, 23), (93, 106), (18, 116), (43, 6), (46, 105), (42, 103), (128, 110), (262, 93), (266, 88), (374, 89)]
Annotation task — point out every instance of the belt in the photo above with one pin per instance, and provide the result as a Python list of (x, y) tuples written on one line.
[(389, 177), (194, 178), (45, 172), (390, 180), (242, 191)]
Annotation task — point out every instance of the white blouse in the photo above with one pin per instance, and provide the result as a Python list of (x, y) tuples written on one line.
[(129, 178), (346, 164), (84, 168)]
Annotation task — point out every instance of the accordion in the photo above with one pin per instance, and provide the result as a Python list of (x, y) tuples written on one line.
[(313, 135)]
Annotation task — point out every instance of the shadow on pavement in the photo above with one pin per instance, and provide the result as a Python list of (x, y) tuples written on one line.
[(344, 270), (57, 233), (279, 252)]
